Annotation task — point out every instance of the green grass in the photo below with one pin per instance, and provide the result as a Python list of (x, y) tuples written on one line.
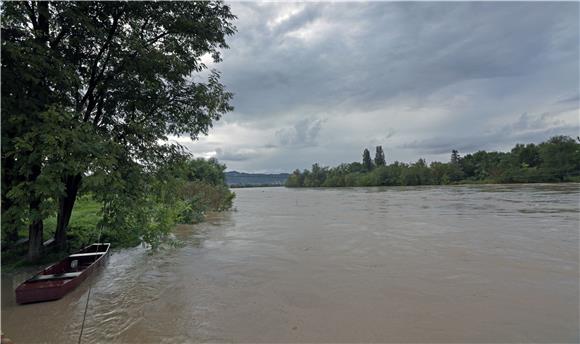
[(83, 228), (85, 216)]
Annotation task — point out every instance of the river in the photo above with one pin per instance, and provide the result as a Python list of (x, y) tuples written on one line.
[(489, 263)]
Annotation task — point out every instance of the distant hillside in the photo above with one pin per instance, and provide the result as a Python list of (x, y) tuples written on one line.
[(235, 178)]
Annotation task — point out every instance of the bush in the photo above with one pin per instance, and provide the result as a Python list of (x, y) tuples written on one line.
[(200, 197)]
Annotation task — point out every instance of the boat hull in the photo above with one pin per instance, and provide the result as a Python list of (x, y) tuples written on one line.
[(39, 289)]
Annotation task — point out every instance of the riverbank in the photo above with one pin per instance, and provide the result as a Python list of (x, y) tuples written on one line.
[(87, 215), (144, 209), (83, 230)]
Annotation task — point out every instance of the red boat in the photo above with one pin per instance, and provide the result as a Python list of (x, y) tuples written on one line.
[(58, 279)]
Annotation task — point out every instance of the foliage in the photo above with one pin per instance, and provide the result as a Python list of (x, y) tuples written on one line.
[(367, 162), (151, 205), (295, 179), (90, 91), (556, 160), (201, 197), (380, 156), (180, 191)]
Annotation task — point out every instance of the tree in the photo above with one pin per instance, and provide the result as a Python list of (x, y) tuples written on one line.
[(560, 157), (469, 166), (379, 157), (354, 167), (27, 67), (209, 171), (367, 162), (455, 158), (557, 159), (116, 75), (527, 155), (316, 177), (295, 179)]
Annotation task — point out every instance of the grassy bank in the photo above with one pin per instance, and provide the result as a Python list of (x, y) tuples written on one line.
[(83, 222), (126, 210), (199, 198), (83, 230)]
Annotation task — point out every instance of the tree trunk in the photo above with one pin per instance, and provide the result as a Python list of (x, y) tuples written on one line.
[(66, 205), (35, 232), (35, 228)]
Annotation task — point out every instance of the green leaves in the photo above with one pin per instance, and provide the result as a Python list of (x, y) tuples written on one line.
[(145, 206), (555, 160), (95, 92)]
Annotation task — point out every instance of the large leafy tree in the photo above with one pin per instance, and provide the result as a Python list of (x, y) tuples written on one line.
[(95, 88)]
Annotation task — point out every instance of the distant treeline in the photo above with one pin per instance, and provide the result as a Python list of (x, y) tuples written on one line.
[(555, 160), (242, 179)]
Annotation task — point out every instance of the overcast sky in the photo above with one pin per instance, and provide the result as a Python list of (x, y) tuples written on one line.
[(319, 82)]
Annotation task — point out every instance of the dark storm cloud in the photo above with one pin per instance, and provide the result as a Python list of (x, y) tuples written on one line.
[(360, 55), (316, 80)]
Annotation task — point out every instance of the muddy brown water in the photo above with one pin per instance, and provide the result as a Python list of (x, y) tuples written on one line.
[(423, 264)]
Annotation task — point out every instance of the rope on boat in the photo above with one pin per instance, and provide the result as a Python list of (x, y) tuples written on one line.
[(89, 294)]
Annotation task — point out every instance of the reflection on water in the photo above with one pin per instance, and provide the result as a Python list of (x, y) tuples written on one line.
[(486, 263)]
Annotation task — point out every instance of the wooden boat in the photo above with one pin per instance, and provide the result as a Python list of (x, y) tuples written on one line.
[(58, 279)]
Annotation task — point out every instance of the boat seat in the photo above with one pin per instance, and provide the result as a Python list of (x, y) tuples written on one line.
[(65, 275), (86, 254)]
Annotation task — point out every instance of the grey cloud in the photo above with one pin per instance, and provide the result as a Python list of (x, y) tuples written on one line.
[(525, 129), (378, 51), (382, 139), (236, 155), (304, 16), (303, 133), (527, 122), (440, 145), (574, 99), (441, 75)]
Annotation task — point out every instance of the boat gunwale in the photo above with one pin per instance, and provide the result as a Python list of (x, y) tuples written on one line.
[(32, 279)]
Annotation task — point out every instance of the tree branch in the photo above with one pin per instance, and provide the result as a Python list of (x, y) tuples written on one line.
[(99, 114), (31, 15), (157, 38), (94, 80), (58, 38)]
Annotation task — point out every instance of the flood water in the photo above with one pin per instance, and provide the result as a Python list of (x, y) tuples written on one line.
[(416, 264)]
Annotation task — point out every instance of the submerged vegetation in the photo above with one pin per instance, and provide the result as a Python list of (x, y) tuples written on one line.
[(556, 160)]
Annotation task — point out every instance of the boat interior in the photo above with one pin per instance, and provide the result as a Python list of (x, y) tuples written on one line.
[(73, 265)]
